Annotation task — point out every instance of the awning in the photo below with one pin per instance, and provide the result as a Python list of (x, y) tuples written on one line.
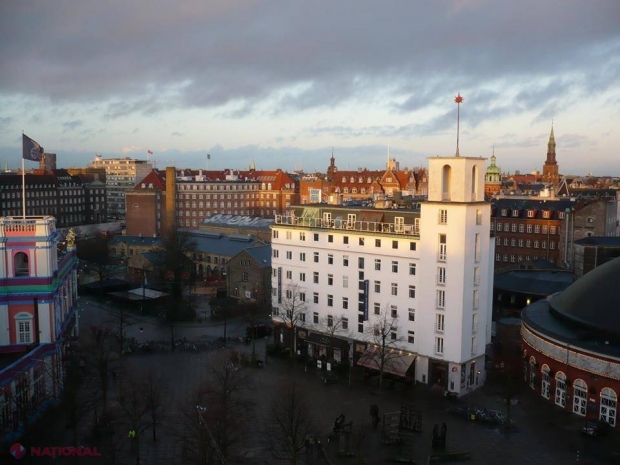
[(370, 216), (395, 363)]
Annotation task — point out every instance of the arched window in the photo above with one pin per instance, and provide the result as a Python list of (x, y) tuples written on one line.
[(560, 389), (20, 264), (446, 180), (609, 402), (354, 190), (545, 383), (23, 327), (580, 397)]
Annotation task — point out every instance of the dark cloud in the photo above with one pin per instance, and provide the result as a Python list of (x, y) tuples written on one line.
[(304, 55), (72, 125)]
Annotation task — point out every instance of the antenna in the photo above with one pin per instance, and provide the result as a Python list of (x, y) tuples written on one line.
[(458, 99)]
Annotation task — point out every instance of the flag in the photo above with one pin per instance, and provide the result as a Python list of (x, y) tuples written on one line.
[(150, 152), (31, 150), (208, 156)]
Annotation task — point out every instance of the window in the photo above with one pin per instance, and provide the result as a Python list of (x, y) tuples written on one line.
[(395, 244), (316, 257), (345, 282), (476, 276), (345, 323), (412, 292), (543, 245), (330, 300), (478, 217), (552, 245), (442, 248), (503, 212), (302, 256), (377, 264), (302, 236), (473, 345), (289, 255), (302, 277), (377, 287), (289, 235), (276, 234), (316, 237), (289, 275), (529, 228), (361, 241), (330, 238), (315, 277), (315, 298), (476, 300), (535, 244), (302, 317), (544, 229), (345, 239), (377, 308), (393, 336), (315, 318), (513, 242), (330, 259), (441, 298), (394, 267), (474, 323), (411, 337), (345, 303), (537, 229), (330, 279), (439, 322), (377, 242), (360, 263), (546, 214), (520, 242), (394, 311), (439, 345), (500, 227), (412, 246), (394, 289), (443, 216), (514, 227), (345, 260), (552, 229), (411, 314), (441, 275), (521, 228), (506, 241), (24, 328)]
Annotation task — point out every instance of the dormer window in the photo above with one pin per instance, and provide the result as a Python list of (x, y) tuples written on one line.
[(530, 213), (504, 212), (515, 213), (546, 214), (344, 179)]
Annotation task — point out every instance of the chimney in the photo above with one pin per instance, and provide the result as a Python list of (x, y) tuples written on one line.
[(171, 187)]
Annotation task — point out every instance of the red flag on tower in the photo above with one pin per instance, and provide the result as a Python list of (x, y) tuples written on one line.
[(149, 152)]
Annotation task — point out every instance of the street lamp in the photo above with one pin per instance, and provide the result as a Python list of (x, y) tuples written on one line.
[(201, 421)]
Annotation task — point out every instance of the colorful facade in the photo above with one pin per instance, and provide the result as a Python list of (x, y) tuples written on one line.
[(37, 317)]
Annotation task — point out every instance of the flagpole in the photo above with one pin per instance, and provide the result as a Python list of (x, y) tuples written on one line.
[(23, 189), (458, 99)]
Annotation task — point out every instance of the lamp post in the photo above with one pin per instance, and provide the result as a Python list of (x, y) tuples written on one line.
[(219, 457)]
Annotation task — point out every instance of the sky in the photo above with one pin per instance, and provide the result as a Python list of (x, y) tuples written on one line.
[(284, 83)]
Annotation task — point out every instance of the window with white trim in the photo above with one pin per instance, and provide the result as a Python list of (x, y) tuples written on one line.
[(439, 345), (439, 322), (23, 325)]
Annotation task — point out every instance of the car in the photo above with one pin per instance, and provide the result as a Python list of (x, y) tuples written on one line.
[(595, 428), (258, 331)]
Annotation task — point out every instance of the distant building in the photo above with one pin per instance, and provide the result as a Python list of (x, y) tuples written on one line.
[(48, 162), (550, 168), (122, 174), (249, 275), (38, 308), (591, 252), (492, 178), (528, 229)]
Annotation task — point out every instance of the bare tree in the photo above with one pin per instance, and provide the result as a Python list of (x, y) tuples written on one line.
[(383, 334), (293, 311), (134, 410), (332, 325), (154, 391), (120, 318), (291, 423), (99, 357)]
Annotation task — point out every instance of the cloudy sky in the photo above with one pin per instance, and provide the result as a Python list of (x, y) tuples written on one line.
[(282, 82)]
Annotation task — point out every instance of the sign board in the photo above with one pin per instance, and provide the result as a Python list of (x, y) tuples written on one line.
[(280, 285), (366, 293)]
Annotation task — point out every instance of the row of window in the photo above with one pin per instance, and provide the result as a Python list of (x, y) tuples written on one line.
[(219, 187), (524, 243), (530, 213), (520, 258), (345, 239), (520, 227)]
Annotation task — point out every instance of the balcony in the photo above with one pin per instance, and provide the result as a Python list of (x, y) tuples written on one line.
[(358, 226)]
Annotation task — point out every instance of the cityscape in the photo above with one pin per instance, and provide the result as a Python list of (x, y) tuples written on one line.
[(354, 268)]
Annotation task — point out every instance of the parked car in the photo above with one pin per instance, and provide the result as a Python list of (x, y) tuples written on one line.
[(595, 428), (258, 330)]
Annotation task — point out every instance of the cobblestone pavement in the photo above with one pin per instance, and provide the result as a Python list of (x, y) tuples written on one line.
[(544, 434)]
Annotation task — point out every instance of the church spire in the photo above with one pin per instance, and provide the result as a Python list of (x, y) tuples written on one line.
[(550, 168)]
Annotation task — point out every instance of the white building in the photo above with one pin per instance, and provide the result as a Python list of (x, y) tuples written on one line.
[(431, 268), (122, 174)]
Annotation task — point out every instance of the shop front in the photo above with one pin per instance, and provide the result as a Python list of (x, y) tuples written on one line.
[(323, 348)]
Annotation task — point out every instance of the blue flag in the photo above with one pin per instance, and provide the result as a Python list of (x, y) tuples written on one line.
[(31, 150)]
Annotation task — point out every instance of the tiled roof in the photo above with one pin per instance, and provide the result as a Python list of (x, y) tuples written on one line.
[(533, 282), (262, 255)]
